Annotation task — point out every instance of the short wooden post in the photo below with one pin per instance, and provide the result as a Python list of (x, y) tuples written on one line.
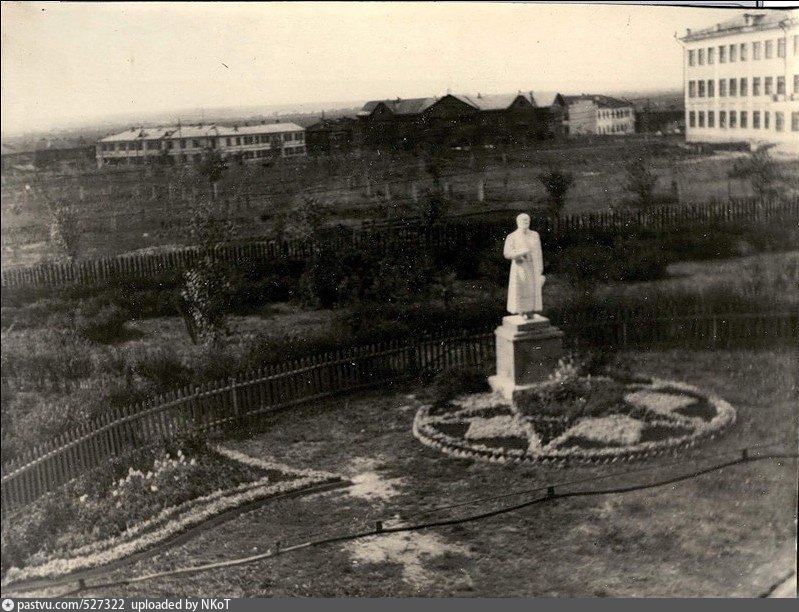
[(235, 398), (713, 333)]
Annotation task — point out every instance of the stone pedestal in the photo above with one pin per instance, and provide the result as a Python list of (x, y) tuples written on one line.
[(528, 351)]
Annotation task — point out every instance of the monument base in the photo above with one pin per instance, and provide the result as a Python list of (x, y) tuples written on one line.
[(528, 351)]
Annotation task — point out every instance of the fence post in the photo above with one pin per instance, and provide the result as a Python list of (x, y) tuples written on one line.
[(713, 333), (234, 398)]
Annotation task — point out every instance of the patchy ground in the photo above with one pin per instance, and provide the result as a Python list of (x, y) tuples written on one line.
[(727, 533)]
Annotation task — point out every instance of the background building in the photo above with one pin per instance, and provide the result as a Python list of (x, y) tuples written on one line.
[(56, 155), (188, 144), (339, 135), (457, 120), (742, 80), (591, 114)]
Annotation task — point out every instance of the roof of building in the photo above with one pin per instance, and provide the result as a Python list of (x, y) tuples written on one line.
[(482, 102), (742, 23), (137, 133), (332, 124), (261, 128), (199, 131), (493, 101), (600, 100), (544, 98), (398, 106)]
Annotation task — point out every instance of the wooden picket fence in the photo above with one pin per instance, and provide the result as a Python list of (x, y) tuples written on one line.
[(407, 232), (236, 404)]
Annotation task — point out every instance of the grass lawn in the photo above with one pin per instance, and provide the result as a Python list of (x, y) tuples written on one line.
[(728, 533)]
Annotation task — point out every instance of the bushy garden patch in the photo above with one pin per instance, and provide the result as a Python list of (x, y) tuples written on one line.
[(135, 502)]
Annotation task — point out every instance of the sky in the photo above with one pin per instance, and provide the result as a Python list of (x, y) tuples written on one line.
[(83, 62)]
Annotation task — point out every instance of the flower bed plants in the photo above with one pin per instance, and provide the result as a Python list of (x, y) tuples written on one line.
[(576, 419), (110, 514)]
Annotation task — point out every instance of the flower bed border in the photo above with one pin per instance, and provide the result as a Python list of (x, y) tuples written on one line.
[(462, 449), (176, 522)]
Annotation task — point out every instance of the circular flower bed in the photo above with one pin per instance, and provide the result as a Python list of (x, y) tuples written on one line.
[(580, 419)]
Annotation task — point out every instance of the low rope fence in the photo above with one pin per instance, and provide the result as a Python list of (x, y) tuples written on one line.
[(411, 233)]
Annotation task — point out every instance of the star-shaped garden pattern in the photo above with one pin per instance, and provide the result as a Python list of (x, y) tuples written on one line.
[(593, 420)]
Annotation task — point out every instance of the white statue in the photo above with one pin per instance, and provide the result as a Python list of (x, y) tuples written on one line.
[(523, 248)]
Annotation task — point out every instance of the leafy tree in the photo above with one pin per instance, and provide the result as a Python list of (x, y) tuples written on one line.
[(65, 227), (304, 220), (207, 287), (585, 266), (640, 181), (432, 207), (557, 183), (212, 166), (760, 169)]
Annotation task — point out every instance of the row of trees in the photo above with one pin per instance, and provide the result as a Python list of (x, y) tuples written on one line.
[(758, 168)]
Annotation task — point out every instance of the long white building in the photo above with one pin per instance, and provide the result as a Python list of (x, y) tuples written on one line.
[(742, 80), (188, 143)]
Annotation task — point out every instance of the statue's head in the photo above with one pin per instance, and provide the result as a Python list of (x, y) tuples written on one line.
[(523, 221)]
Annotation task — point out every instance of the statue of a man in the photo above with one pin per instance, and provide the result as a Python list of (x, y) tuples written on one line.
[(523, 248)]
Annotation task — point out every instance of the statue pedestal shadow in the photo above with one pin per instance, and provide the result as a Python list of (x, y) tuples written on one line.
[(528, 351)]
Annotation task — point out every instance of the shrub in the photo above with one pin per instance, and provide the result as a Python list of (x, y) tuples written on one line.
[(493, 267), (587, 265), (636, 260), (328, 281), (640, 180), (432, 207), (160, 367), (557, 183), (255, 284), (449, 383), (31, 530), (45, 359), (761, 170), (100, 323), (65, 228)]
